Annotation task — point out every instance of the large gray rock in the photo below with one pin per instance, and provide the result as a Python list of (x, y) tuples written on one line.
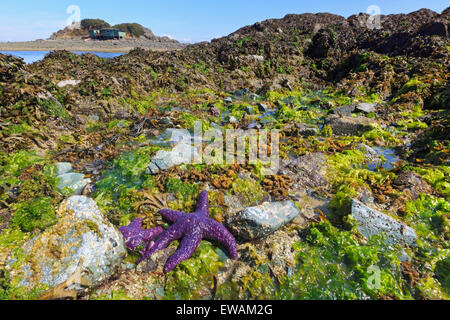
[(372, 222), (257, 222), (348, 125), (81, 242)]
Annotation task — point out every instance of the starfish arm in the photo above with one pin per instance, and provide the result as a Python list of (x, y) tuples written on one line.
[(150, 234), (213, 230), (187, 248), (136, 223), (203, 204), (174, 232), (171, 215)]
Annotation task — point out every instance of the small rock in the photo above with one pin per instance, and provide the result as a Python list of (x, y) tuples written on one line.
[(367, 107), (411, 181), (94, 118), (372, 222), (308, 172), (306, 131), (253, 96), (263, 108), (249, 110), (232, 120), (228, 100), (257, 222), (74, 182), (256, 58), (82, 240), (370, 153), (66, 83), (215, 112), (344, 110), (166, 121)]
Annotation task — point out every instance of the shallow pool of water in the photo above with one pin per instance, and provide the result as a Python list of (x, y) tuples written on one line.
[(35, 56), (391, 159)]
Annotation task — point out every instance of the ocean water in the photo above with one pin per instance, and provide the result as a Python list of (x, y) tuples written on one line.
[(34, 56)]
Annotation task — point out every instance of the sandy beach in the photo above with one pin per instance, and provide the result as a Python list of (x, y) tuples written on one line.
[(98, 46)]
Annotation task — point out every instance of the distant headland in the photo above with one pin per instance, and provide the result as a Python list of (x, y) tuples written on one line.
[(86, 37)]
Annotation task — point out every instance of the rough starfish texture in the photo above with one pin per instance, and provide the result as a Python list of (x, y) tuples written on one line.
[(192, 228), (135, 236)]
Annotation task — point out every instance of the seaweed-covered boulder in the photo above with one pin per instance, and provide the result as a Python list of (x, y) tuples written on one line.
[(82, 242), (372, 222), (257, 222)]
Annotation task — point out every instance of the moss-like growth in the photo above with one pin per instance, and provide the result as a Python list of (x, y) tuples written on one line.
[(116, 194), (9, 291), (333, 264), (249, 190), (35, 214), (442, 272), (438, 177), (194, 278), (181, 189)]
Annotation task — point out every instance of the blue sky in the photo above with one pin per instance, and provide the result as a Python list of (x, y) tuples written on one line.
[(184, 20)]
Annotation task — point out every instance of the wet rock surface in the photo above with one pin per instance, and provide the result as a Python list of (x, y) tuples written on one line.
[(257, 222), (372, 222), (82, 241)]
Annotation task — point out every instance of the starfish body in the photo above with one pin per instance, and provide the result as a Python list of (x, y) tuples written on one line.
[(192, 228), (135, 236)]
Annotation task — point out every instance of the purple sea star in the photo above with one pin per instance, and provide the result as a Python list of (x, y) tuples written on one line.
[(192, 228), (135, 236)]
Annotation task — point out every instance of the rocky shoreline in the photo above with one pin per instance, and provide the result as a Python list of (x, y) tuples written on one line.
[(112, 46)]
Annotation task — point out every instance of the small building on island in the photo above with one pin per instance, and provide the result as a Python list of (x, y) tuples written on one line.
[(107, 34)]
